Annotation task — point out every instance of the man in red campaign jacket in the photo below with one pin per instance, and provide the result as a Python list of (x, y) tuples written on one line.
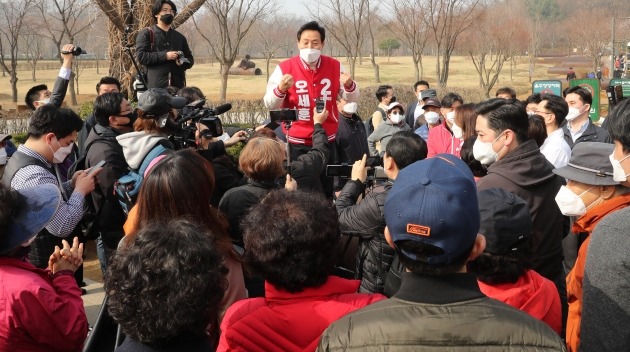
[(297, 82)]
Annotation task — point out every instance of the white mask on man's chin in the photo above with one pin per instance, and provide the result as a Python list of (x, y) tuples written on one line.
[(28, 243)]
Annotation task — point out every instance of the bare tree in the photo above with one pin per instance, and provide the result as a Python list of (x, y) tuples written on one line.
[(371, 18), (411, 31), (446, 20), (494, 41), (12, 14), (593, 41), (32, 46), (346, 21), (135, 14), (230, 21), (270, 34)]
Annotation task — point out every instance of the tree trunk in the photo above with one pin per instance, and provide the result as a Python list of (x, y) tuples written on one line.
[(421, 68), (73, 93), (34, 71), (268, 62), (224, 79), (14, 80), (416, 69)]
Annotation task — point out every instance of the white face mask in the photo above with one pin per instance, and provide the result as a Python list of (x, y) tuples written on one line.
[(531, 113), (483, 152), (310, 55), (420, 96), (573, 114), (571, 204), (44, 101), (28, 243), (3, 156), (60, 155), (457, 131), (431, 117), (350, 108), (619, 174), (395, 117), (450, 116)]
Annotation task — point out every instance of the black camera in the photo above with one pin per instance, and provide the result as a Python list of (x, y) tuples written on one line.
[(185, 127), (283, 115), (183, 61), (345, 171), (76, 51)]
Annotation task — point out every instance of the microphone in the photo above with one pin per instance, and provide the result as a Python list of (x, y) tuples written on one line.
[(221, 109)]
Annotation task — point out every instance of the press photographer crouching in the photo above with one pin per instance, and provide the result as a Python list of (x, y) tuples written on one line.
[(367, 219)]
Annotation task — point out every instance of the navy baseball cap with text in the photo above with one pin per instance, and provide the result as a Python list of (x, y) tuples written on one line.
[(434, 201)]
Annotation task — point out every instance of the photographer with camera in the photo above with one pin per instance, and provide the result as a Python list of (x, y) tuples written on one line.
[(39, 95), (163, 50), (366, 219)]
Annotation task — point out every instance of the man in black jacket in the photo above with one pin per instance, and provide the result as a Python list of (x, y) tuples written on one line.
[(351, 137), (366, 219), (114, 117), (579, 127), (163, 50)]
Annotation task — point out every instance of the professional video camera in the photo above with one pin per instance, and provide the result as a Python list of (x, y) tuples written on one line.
[(375, 171), (183, 135)]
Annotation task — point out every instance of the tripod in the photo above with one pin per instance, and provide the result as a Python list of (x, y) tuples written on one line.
[(127, 49)]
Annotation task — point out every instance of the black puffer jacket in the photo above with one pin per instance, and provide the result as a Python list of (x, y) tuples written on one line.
[(367, 221)]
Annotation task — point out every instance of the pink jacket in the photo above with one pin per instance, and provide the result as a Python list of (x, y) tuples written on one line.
[(286, 321), (37, 312), (441, 140)]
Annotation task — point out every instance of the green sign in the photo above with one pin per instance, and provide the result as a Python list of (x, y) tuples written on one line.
[(547, 87), (592, 85), (624, 83)]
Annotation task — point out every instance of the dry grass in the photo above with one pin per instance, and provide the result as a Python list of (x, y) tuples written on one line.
[(206, 76)]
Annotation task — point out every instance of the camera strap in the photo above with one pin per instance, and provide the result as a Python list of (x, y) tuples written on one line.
[(152, 36)]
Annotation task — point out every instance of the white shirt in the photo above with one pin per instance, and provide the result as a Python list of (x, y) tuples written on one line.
[(577, 134), (556, 149)]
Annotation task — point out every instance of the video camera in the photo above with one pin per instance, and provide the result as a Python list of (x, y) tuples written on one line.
[(76, 51), (375, 171), (185, 127)]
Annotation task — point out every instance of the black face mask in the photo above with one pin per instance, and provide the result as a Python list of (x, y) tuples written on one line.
[(133, 116), (393, 99), (167, 19)]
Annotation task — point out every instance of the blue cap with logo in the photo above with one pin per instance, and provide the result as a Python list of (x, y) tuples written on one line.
[(434, 201)]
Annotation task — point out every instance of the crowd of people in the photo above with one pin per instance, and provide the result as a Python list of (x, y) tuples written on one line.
[(492, 225)]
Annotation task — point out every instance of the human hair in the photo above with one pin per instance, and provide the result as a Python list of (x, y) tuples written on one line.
[(167, 284), (450, 98), (107, 80), (506, 90), (299, 247), (499, 269), (406, 147), (157, 8), (149, 124), (420, 83), (585, 95), (180, 186), (381, 91), (106, 105), (33, 95), (265, 132), (467, 155), (505, 114), (261, 159), (10, 207), (172, 90), (465, 117), (312, 26), (191, 94), (51, 119), (424, 250), (537, 129), (557, 106), (532, 99), (619, 124)]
